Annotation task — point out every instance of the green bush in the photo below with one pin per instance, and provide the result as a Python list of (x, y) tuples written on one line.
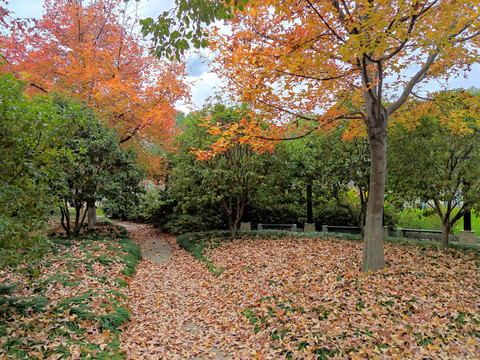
[(165, 212), (330, 213), (31, 159), (281, 214), (324, 213), (162, 209)]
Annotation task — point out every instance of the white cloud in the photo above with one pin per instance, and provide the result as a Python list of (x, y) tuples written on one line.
[(202, 87), (153, 8)]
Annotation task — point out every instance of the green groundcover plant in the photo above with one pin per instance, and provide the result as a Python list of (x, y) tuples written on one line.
[(69, 304)]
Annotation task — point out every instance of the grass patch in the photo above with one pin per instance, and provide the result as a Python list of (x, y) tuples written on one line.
[(414, 218), (69, 304)]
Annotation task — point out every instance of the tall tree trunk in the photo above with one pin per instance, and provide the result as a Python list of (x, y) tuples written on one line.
[(241, 203), (91, 214), (309, 204), (373, 255), (78, 206), (227, 206), (446, 227), (231, 223), (81, 219)]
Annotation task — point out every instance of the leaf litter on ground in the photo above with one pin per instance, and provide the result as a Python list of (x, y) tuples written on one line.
[(296, 298), (287, 298), (69, 304)]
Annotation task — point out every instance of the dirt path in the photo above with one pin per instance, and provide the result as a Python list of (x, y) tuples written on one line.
[(179, 309)]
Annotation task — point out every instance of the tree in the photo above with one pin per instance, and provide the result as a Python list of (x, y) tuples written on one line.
[(100, 165), (345, 172), (91, 50), (229, 179), (31, 160), (434, 160), (293, 60), (337, 169)]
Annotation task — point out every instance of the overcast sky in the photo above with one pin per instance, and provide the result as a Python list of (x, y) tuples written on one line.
[(205, 83)]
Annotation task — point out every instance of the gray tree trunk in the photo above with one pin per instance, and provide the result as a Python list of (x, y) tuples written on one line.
[(446, 227), (373, 254), (92, 215)]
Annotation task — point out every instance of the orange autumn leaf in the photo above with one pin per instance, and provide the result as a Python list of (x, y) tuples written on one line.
[(91, 51)]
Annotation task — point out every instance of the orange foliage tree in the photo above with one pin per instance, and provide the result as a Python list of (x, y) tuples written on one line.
[(327, 60), (93, 51)]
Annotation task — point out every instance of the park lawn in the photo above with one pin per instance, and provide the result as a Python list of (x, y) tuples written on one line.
[(414, 218), (69, 304), (307, 299)]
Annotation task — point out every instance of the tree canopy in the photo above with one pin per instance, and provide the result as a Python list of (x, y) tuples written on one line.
[(229, 179), (434, 160), (92, 51)]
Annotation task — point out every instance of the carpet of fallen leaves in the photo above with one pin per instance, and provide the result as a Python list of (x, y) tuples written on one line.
[(69, 304), (304, 299)]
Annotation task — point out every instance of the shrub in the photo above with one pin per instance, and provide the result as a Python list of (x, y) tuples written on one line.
[(162, 209)]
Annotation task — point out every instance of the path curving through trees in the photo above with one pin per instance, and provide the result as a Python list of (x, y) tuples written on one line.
[(179, 309)]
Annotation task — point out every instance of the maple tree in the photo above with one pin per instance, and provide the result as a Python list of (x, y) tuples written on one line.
[(425, 137), (307, 59), (92, 51)]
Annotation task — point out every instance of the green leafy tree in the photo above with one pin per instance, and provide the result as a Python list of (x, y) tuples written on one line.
[(228, 180), (336, 169), (100, 167), (346, 172), (123, 188), (437, 164), (180, 28), (31, 158)]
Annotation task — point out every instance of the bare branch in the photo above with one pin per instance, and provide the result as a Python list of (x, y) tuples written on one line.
[(39, 88), (287, 138), (411, 84), (289, 112), (325, 22), (296, 47), (474, 35), (311, 77)]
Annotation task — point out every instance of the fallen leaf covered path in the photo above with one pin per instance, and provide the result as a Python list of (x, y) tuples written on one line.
[(302, 298), (179, 309)]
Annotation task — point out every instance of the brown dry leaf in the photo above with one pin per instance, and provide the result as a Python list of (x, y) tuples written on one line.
[(304, 299)]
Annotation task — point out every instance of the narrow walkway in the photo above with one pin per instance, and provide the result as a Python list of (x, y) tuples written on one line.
[(179, 309), (153, 243)]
